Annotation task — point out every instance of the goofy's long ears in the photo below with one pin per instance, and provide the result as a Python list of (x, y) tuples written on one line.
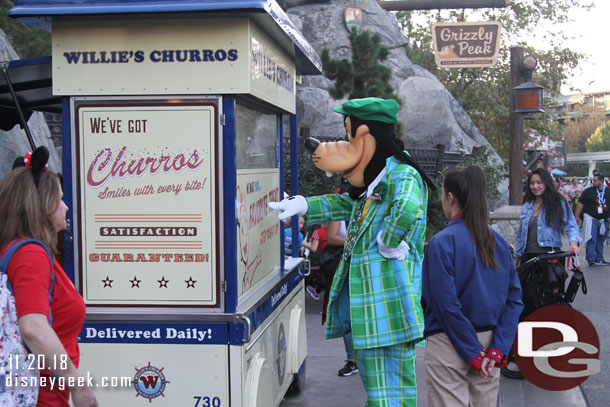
[(386, 139)]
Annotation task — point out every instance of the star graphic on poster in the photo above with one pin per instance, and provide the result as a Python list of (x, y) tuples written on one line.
[(107, 282), (135, 282), (190, 282), (163, 282)]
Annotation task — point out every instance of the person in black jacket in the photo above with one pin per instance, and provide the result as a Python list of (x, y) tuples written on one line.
[(595, 203)]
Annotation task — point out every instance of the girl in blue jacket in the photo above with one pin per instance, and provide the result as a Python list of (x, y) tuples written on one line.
[(471, 298), (545, 214)]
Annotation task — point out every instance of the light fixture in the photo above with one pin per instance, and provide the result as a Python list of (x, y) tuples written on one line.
[(528, 95)]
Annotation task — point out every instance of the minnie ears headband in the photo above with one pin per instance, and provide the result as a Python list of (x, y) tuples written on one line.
[(38, 161)]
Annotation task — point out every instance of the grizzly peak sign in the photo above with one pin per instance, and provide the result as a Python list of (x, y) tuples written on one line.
[(466, 45)]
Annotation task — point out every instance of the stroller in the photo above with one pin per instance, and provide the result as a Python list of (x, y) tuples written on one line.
[(543, 282)]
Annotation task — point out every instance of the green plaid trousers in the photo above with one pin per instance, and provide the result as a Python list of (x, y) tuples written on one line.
[(388, 375)]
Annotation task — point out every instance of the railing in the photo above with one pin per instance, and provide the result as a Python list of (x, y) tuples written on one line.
[(431, 160), (434, 160)]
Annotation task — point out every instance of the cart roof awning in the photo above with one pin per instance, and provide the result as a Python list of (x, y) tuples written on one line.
[(266, 13), (33, 86)]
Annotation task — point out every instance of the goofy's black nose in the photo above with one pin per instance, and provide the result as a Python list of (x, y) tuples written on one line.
[(311, 144)]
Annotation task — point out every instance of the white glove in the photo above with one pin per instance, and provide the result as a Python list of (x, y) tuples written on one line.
[(399, 253), (294, 205)]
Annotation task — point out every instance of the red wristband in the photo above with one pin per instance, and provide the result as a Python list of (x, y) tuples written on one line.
[(478, 360), (499, 357)]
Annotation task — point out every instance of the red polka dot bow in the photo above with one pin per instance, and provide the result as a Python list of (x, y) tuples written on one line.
[(27, 160)]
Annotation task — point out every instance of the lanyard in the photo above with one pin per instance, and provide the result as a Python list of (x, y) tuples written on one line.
[(600, 197)]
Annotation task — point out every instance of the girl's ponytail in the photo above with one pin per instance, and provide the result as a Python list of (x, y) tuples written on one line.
[(468, 185)]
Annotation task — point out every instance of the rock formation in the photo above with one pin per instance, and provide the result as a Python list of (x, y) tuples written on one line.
[(14, 142), (429, 114)]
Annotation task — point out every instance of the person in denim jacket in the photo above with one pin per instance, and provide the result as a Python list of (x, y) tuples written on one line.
[(544, 216)]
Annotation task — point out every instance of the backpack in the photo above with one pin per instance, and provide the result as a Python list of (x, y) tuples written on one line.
[(19, 378)]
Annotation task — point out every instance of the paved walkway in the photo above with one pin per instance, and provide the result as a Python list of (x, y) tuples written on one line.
[(323, 387)]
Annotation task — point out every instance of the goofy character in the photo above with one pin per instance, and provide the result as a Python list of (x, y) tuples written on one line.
[(376, 289)]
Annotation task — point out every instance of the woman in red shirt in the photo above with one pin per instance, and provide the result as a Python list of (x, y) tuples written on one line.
[(31, 206)]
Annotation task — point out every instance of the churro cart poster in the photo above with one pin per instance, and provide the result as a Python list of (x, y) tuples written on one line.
[(147, 204), (257, 226)]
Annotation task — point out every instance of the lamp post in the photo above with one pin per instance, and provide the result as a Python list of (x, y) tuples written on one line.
[(525, 99)]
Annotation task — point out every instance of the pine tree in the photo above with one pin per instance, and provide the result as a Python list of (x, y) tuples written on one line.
[(364, 75), (600, 140), (27, 41)]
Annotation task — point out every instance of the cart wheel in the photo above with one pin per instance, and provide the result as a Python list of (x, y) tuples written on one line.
[(298, 380)]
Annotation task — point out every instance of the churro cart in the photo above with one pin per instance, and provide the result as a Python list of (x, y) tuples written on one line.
[(173, 146)]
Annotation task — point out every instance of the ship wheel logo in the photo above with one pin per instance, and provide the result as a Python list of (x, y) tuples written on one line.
[(149, 382)]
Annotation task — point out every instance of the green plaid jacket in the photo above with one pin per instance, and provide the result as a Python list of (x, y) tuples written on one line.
[(384, 294)]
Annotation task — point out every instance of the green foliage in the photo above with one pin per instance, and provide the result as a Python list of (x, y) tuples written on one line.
[(363, 76), (600, 140), (582, 169), (604, 168), (581, 127), (494, 174), (283, 3), (312, 180), (577, 169), (484, 93), (27, 41), (339, 70), (435, 216)]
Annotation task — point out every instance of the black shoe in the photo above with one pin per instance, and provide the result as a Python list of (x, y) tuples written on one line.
[(592, 263), (602, 263), (348, 369)]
